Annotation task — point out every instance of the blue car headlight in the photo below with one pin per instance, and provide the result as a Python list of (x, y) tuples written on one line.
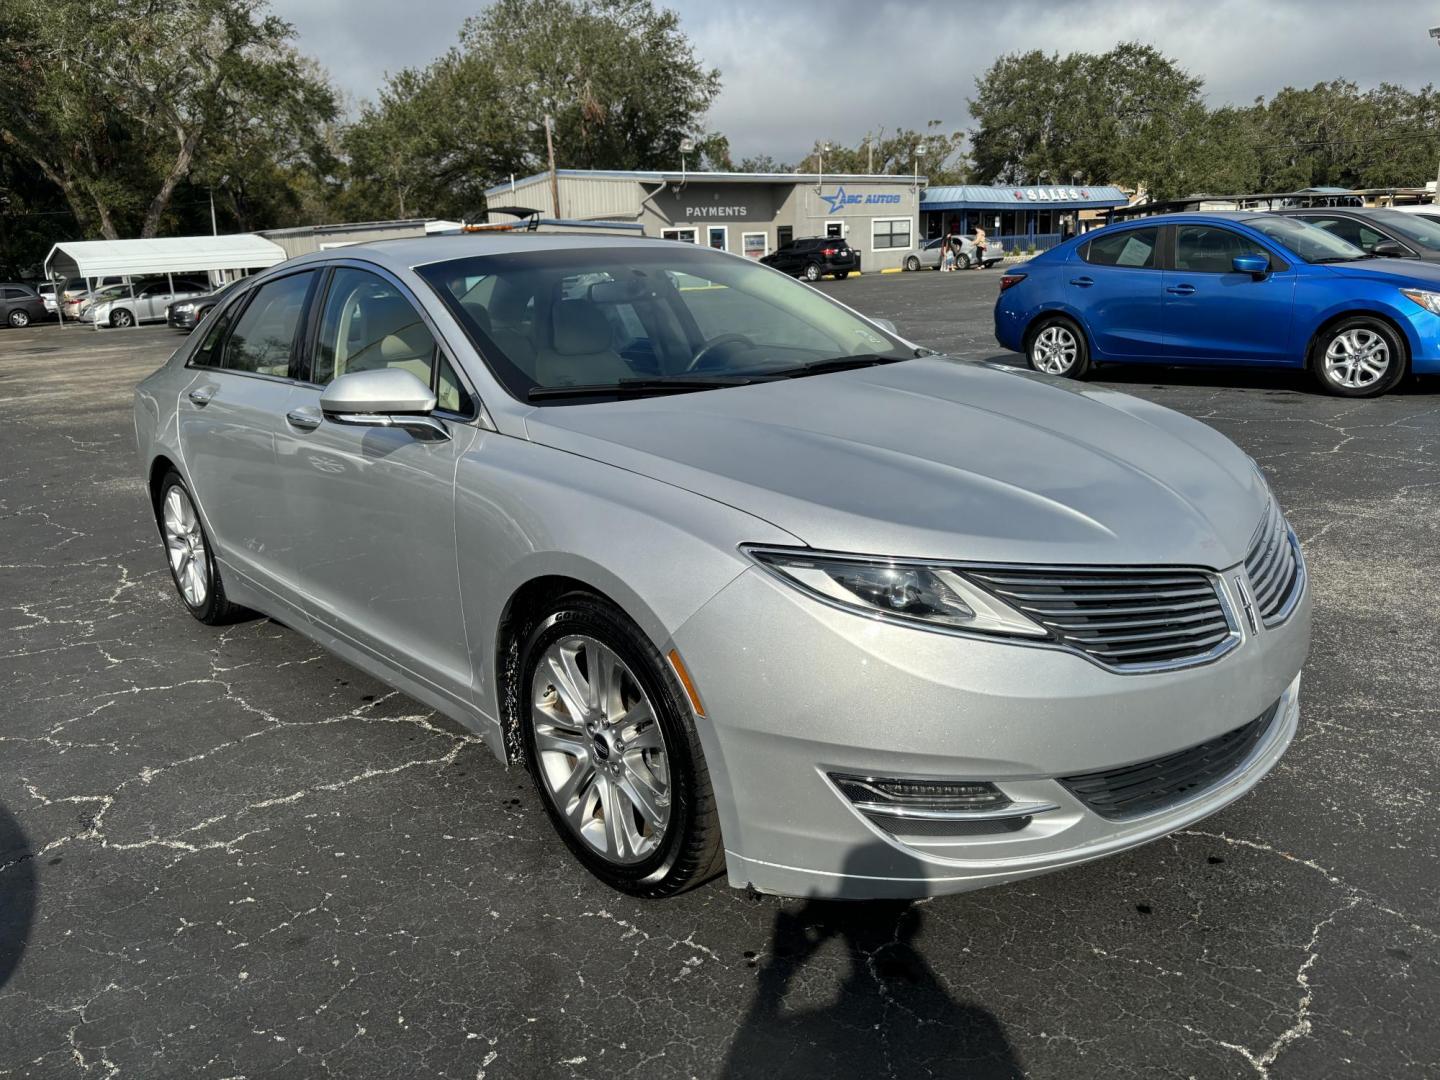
[(1430, 301)]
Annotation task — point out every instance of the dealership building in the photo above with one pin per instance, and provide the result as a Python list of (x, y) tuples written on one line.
[(886, 217)]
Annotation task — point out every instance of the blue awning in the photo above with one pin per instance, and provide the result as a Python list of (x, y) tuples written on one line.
[(1022, 197)]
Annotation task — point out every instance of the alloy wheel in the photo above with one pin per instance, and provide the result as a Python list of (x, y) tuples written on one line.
[(600, 749), (185, 546), (121, 318), (19, 318), (1054, 350), (1357, 359)]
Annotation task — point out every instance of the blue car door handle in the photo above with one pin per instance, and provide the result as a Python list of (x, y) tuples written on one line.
[(1181, 290), (1083, 282)]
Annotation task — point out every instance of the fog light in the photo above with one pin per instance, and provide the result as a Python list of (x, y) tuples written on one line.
[(876, 792)]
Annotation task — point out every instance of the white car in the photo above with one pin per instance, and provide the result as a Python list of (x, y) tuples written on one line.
[(124, 306)]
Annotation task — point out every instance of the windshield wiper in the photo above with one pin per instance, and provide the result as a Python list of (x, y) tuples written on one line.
[(1345, 258), (837, 363), (635, 387)]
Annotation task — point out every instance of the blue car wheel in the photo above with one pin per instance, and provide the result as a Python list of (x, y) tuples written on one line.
[(1359, 357), (1056, 346)]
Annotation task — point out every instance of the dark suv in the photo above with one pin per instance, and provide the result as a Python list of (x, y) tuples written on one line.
[(20, 305), (813, 257)]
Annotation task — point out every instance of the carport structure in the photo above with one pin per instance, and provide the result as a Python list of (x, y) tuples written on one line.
[(92, 260)]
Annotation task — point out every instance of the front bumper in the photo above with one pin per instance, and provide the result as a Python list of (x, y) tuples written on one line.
[(795, 691)]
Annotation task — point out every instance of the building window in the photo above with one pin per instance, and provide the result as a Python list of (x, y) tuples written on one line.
[(753, 244), (890, 234), (685, 236), (834, 230), (718, 237)]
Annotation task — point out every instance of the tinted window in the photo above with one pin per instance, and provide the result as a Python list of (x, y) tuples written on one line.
[(1309, 242), (208, 354), (11, 294), (1206, 249), (367, 324), (1358, 233), (1133, 247), (1415, 227), (264, 334)]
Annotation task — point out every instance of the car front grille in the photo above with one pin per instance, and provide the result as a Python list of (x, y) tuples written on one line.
[(1129, 620), (1148, 786), (1273, 565)]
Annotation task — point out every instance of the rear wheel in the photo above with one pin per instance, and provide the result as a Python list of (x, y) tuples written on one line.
[(611, 744), (19, 318), (912, 262), (1359, 357), (812, 271), (964, 261), (121, 317), (192, 563), (1057, 347)]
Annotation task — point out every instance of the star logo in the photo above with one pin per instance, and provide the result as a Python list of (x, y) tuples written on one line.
[(836, 201)]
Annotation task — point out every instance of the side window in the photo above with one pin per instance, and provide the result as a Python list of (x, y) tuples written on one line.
[(368, 324), (1204, 249), (264, 335), (1133, 247), (208, 354), (1362, 236), (11, 294)]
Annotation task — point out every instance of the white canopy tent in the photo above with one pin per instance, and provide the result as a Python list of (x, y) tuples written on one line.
[(93, 259)]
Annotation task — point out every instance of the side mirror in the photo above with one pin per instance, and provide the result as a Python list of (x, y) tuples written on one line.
[(1391, 249), (1256, 266), (385, 397)]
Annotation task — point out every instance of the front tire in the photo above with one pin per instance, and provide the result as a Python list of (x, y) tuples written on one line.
[(964, 261), (610, 741), (1359, 357), (19, 319), (190, 557), (1056, 346), (812, 272), (121, 318), (912, 263)]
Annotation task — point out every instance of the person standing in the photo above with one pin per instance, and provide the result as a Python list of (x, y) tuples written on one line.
[(979, 247)]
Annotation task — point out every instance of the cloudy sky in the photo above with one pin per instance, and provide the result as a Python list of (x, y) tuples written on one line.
[(906, 63)]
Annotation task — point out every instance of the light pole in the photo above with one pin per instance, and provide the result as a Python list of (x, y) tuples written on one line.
[(686, 146), (919, 153), (214, 228), (820, 166), (1435, 33)]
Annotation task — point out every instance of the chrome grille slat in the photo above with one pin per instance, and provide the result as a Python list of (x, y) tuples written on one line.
[(1124, 619), (1273, 566)]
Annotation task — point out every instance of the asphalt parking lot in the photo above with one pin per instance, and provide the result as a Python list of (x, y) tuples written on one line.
[(224, 853)]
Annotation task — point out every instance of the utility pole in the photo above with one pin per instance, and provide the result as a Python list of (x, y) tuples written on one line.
[(869, 156), (1435, 33), (550, 149)]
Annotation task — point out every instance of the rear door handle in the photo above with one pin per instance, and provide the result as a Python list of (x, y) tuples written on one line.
[(1082, 282), (305, 417), (201, 395), (1181, 290)]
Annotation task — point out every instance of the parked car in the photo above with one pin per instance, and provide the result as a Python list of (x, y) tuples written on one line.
[(20, 305), (186, 314), (933, 251), (47, 297), (78, 292), (1250, 289), (1378, 232), (147, 302), (747, 582), (813, 257)]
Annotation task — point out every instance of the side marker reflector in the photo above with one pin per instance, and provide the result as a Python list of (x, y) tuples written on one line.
[(686, 682)]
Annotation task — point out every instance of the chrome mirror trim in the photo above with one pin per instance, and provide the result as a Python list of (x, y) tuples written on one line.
[(422, 427)]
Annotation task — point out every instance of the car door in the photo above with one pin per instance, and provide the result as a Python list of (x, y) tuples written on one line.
[(370, 510), (1115, 284), (230, 414), (1215, 314)]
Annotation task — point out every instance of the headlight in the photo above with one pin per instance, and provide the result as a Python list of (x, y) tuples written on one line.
[(896, 589), (1430, 301), (184, 307)]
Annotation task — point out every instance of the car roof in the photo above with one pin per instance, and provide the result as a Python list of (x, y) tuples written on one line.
[(409, 252)]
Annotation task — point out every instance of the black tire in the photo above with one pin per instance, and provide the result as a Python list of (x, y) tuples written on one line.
[(19, 318), (912, 262), (121, 317), (215, 609), (1332, 377), (812, 272), (842, 275), (689, 851), (1050, 340), (964, 261)]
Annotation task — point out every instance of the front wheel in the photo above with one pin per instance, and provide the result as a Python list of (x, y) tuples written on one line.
[(121, 318), (812, 272), (1359, 357), (1057, 347), (964, 261), (912, 263), (609, 739)]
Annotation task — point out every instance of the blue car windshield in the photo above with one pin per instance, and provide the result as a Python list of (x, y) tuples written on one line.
[(1309, 242)]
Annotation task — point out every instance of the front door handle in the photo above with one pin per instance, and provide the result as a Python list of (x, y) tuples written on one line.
[(305, 417), (1181, 290), (1082, 282), (201, 395)]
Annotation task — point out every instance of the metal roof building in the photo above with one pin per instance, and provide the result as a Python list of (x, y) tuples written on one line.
[(1020, 215)]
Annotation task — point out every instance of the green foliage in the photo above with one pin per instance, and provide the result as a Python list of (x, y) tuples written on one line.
[(1134, 117), (620, 79), (943, 159)]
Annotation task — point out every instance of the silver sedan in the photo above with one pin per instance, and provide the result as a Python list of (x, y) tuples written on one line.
[(747, 582)]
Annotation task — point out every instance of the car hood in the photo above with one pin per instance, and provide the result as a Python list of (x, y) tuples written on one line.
[(941, 458), (1399, 272)]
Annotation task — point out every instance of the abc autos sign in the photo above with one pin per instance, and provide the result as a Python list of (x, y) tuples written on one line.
[(840, 201)]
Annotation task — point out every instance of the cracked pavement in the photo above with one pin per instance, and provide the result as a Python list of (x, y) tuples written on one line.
[(224, 853)]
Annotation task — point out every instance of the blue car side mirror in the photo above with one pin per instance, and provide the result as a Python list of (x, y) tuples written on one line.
[(1254, 265)]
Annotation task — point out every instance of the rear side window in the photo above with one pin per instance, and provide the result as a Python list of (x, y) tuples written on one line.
[(1138, 248), (264, 334)]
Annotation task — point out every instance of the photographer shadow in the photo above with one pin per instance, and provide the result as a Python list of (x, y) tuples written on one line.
[(17, 894), (889, 1016)]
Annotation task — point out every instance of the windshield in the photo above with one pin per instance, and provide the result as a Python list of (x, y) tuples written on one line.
[(1308, 242), (615, 317), (1423, 230)]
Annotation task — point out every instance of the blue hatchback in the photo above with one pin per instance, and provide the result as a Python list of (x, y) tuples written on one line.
[(1249, 289)]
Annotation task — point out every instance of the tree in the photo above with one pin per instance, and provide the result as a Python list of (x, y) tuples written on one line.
[(620, 79), (943, 160), (118, 120)]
